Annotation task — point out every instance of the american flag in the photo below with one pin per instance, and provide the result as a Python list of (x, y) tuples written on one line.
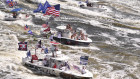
[(26, 27), (76, 68), (55, 10)]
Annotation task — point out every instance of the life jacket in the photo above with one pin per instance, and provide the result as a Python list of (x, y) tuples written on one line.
[(55, 66)]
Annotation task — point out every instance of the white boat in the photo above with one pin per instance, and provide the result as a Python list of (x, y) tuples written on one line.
[(49, 69), (19, 17), (66, 39)]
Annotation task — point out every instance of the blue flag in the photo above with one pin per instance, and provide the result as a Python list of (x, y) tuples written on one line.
[(30, 32), (46, 5), (57, 7), (40, 7), (84, 60)]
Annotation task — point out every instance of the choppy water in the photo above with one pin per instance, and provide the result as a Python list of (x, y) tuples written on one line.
[(112, 25)]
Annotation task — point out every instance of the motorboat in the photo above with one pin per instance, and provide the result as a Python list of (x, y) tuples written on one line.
[(19, 17), (65, 38), (56, 66)]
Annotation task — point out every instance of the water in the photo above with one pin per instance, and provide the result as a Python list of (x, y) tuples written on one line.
[(112, 25)]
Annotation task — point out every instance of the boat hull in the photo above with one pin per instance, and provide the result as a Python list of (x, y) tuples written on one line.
[(10, 19), (70, 42), (53, 72)]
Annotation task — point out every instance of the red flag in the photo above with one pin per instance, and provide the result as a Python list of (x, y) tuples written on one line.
[(48, 29), (34, 57)]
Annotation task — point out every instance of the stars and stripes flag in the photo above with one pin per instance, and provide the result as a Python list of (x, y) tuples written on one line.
[(26, 27), (55, 10)]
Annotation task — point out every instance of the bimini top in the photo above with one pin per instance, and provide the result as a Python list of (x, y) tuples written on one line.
[(61, 27)]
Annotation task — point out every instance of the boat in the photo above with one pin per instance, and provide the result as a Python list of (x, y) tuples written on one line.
[(19, 17), (66, 39), (10, 19), (61, 70)]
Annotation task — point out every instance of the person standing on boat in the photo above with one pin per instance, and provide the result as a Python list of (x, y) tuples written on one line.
[(53, 50), (83, 70), (51, 37), (15, 14), (28, 54), (43, 48), (46, 50)]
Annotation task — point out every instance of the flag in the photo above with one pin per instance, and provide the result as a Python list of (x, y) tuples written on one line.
[(22, 46), (40, 7), (46, 5), (10, 4), (30, 32), (55, 10), (48, 29), (84, 60), (26, 27), (34, 57), (76, 68)]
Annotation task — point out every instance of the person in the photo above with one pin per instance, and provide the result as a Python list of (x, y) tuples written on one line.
[(51, 37), (69, 27), (59, 35), (27, 15), (67, 66), (74, 35), (46, 50), (39, 44), (14, 15), (81, 4), (83, 70), (43, 47), (55, 65), (44, 62), (88, 3), (28, 54), (52, 50), (82, 36)]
